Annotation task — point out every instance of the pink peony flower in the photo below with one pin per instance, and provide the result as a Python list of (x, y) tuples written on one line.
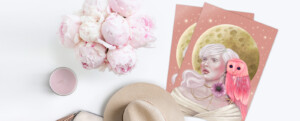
[(69, 30), (95, 8), (115, 30), (141, 27), (121, 60), (87, 19), (91, 55), (89, 31), (125, 8)]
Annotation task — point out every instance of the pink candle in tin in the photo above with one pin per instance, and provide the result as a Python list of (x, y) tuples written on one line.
[(63, 81)]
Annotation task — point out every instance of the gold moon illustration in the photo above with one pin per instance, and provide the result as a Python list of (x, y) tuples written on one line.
[(233, 37), (183, 43)]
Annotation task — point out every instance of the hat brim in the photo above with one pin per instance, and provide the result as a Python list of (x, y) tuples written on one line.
[(142, 91)]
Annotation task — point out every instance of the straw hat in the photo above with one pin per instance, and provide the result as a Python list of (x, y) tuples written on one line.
[(142, 102)]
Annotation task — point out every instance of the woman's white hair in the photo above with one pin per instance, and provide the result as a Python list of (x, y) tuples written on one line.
[(216, 49)]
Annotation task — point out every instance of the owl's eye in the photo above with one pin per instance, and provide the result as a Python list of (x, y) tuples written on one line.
[(238, 68), (230, 66)]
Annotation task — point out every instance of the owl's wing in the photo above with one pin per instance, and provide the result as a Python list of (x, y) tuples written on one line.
[(242, 93), (229, 86), (242, 89)]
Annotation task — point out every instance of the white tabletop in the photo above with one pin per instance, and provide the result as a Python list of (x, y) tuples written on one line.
[(30, 50)]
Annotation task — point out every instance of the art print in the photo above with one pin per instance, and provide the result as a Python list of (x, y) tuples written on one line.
[(222, 67)]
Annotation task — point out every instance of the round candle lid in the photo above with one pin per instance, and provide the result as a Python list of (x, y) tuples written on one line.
[(63, 81)]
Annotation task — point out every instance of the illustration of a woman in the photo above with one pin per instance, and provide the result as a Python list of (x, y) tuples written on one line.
[(204, 95)]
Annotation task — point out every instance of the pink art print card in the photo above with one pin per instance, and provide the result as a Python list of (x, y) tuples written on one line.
[(185, 21), (222, 65)]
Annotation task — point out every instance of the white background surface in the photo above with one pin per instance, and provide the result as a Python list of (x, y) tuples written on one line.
[(30, 50)]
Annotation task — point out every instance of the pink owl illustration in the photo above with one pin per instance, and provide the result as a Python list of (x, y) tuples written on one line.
[(238, 84)]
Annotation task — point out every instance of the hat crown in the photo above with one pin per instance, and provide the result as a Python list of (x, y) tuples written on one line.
[(141, 110), (142, 102)]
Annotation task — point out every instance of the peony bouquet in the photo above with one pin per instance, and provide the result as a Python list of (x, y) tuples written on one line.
[(106, 33)]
